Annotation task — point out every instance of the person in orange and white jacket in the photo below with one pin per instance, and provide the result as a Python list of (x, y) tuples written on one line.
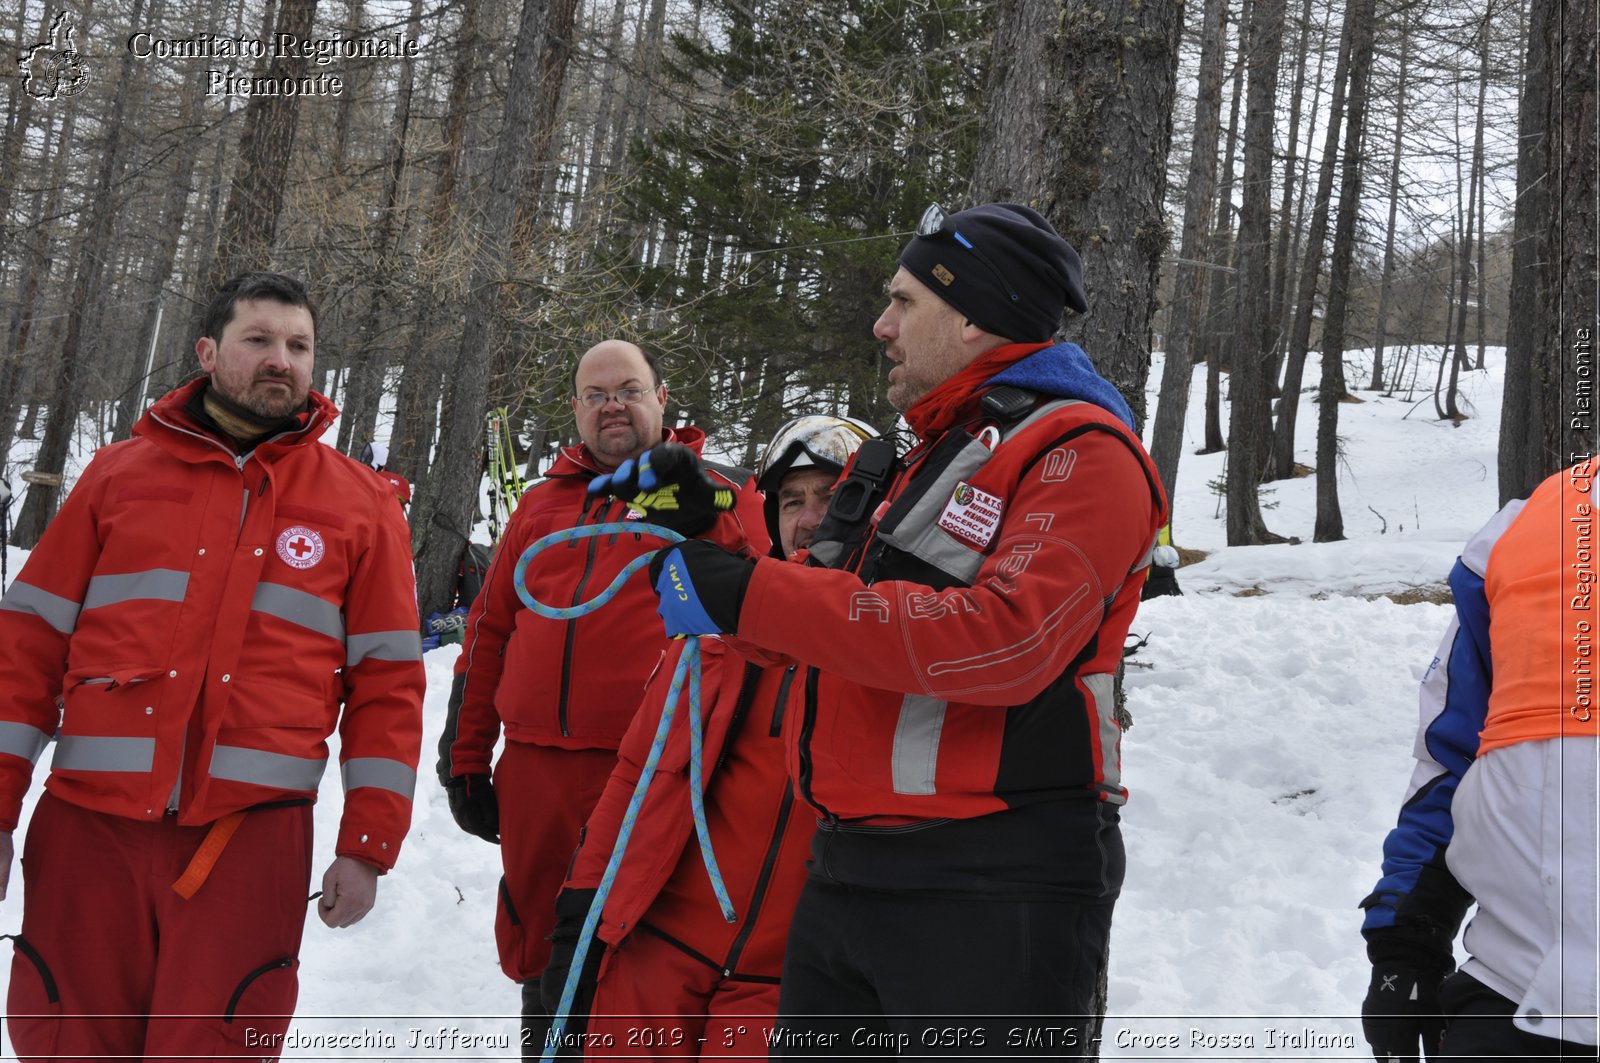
[(216, 597), (1501, 809), (677, 979)]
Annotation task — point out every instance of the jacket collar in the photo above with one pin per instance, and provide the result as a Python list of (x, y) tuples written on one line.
[(1059, 370), (169, 424)]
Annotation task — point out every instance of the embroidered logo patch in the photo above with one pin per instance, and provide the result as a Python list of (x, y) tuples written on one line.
[(946, 278), (300, 547), (971, 514)]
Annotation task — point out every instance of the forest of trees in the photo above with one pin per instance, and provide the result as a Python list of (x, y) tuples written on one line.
[(499, 184)]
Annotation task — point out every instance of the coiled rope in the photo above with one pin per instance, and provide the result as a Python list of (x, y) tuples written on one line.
[(686, 673)]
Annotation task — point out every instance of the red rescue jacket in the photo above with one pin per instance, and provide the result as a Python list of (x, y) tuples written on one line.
[(192, 622), (966, 668), (569, 683), (759, 832)]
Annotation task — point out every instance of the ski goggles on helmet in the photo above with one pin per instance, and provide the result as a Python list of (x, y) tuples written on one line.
[(810, 440)]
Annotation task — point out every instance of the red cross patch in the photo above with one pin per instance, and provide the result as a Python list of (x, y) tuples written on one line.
[(300, 547)]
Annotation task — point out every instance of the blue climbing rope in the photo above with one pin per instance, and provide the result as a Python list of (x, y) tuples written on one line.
[(686, 673)]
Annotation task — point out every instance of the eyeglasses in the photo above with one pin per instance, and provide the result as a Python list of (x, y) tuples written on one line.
[(626, 396), (935, 221)]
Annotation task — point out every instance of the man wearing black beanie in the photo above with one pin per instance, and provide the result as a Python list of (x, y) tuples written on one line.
[(959, 740)]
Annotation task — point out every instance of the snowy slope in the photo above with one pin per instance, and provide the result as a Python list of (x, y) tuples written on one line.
[(1269, 751)]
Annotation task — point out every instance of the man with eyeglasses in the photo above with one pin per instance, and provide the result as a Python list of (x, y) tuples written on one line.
[(565, 691), (959, 738)]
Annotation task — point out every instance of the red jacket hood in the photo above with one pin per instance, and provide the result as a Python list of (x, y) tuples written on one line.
[(577, 461)]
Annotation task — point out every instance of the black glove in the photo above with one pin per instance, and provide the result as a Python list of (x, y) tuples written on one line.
[(572, 907), (474, 806), (701, 588), (452, 720), (1400, 1016), (1401, 1012), (668, 486)]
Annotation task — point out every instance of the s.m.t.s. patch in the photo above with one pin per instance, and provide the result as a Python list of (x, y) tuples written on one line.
[(972, 514)]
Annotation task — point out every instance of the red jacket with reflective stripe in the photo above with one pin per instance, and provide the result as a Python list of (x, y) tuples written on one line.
[(573, 684), (759, 832), (193, 623), (994, 690)]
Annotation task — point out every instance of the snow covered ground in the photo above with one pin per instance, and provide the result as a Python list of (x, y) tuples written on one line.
[(1270, 748)]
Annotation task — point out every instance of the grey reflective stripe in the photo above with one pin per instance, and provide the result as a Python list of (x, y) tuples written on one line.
[(1148, 557), (381, 773), (1102, 688), (918, 533), (298, 607), (383, 646), (916, 744), (161, 584), (21, 740), (87, 753), (238, 764), (60, 613)]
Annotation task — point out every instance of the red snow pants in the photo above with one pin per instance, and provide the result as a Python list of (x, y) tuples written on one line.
[(109, 956), (545, 796), (655, 1001)]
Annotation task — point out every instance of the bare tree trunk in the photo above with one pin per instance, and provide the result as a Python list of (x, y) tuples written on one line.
[(1284, 313), (1106, 144), (1282, 267), (1253, 346), (1177, 373), (1474, 220), (16, 381), (344, 108), (255, 199), (447, 496), (65, 395), (1329, 525), (1011, 141), (1386, 285), (417, 408), (1300, 333), (1571, 310), (559, 21), (1223, 290), (370, 359), (136, 389), (17, 133), (1521, 452), (594, 177)]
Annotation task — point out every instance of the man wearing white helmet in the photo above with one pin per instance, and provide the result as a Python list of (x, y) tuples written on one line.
[(683, 959)]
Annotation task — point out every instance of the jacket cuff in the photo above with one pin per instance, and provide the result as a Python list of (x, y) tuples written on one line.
[(370, 845)]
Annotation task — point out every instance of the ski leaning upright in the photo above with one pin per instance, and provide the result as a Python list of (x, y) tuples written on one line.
[(505, 477)]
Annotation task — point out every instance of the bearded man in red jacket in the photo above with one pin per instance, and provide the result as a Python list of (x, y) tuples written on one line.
[(564, 691), (217, 595), (959, 736)]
